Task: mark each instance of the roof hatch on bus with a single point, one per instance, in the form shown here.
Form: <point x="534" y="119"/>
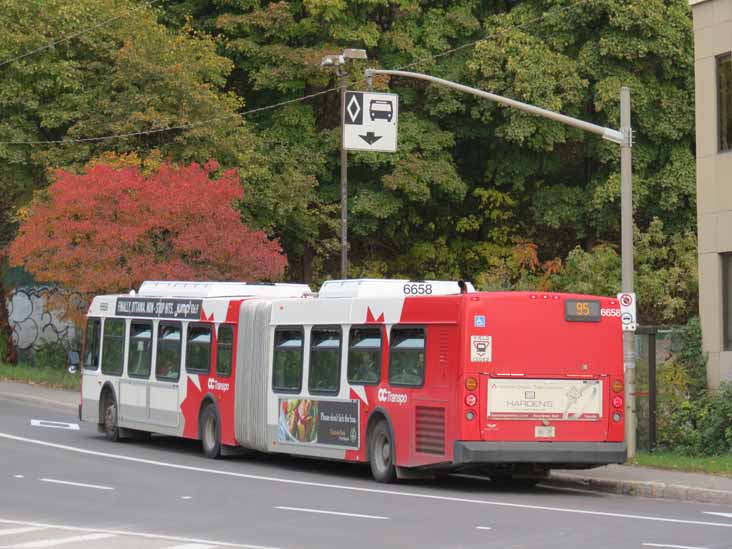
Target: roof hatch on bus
<point x="153" y="288"/>
<point x="371" y="287"/>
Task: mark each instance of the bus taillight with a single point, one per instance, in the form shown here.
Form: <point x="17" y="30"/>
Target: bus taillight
<point x="471" y="384"/>
<point x="618" y="401"/>
<point x="471" y="400"/>
<point x="617" y="386"/>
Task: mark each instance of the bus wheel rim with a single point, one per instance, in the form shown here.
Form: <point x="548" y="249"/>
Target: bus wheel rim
<point x="210" y="432"/>
<point x="109" y="417"/>
<point x="383" y="452"/>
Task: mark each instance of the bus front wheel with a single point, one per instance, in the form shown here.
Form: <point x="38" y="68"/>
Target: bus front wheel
<point x="111" y="429"/>
<point x="210" y="433"/>
<point x="381" y="453"/>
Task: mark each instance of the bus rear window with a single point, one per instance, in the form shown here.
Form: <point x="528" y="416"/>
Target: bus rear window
<point x="406" y="356"/>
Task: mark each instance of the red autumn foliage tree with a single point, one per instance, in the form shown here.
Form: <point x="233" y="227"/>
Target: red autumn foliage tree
<point x="111" y="228"/>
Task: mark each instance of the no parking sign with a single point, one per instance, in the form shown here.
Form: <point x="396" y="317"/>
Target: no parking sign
<point x="627" y="311"/>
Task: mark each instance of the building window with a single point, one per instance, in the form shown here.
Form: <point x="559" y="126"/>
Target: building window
<point x="724" y="101"/>
<point x="727" y="300"/>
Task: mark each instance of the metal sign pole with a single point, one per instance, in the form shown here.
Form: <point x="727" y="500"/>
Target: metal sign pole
<point x="626" y="249"/>
<point x="344" y="180"/>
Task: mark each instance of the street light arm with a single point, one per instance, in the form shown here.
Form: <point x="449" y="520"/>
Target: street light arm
<point x="606" y="133"/>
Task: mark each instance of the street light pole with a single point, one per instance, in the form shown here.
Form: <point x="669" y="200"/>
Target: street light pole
<point x="344" y="177"/>
<point x="339" y="61"/>
<point x="626" y="253"/>
<point x="624" y="138"/>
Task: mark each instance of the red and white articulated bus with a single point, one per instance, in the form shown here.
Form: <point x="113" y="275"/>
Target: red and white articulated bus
<point x="414" y="378"/>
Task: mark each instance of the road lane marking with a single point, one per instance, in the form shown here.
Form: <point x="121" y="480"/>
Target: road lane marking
<point x="54" y="424"/>
<point x="340" y="514"/>
<point x="80" y="484"/>
<point x="726" y="515"/>
<point x="344" y="487"/>
<point x="192" y="546"/>
<point x="23" y="530"/>
<point x="483" y="528"/>
<point x="18" y="476"/>
<point x="134" y="534"/>
<point x="62" y="541"/>
<point x="671" y="546"/>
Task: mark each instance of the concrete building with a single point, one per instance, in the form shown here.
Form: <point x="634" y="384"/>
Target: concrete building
<point x="713" y="72"/>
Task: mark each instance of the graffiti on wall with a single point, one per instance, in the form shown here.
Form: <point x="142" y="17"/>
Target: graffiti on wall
<point x="34" y="322"/>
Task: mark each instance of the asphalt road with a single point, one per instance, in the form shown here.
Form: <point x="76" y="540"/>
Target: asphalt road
<point x="72" y="488"/>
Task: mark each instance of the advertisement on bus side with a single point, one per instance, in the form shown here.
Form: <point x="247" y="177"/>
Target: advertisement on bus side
<point x="326" y="422"/>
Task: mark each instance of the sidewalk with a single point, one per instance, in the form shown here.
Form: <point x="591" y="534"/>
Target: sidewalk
<point x="648" y="482"/>
<point x="39" y="394"/>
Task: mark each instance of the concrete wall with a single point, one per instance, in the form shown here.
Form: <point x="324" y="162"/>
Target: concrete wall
<point x="712" y="37"/>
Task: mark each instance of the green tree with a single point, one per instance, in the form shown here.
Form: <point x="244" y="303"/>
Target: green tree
<point x="125" y="76"/>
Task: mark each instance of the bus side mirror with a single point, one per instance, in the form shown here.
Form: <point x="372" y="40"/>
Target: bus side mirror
<point x="73" y="361"/>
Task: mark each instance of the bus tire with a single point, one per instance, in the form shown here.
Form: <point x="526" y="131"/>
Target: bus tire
<point x="111" y="428"/>
<point x="381" y="453"/>
<point x="210" y="432"/>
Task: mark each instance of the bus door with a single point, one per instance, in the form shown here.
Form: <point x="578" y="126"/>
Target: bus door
<point x="90" y="385"/>
<point x="164" y="390"/>
<point x="133" y="389"/>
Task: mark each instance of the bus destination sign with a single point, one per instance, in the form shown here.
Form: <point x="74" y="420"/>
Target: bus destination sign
<point x="582" y="310"/>
<point x="159" y="307"/>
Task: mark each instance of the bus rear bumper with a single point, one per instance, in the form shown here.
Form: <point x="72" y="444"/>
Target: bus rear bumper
<point x="551" y="453"/>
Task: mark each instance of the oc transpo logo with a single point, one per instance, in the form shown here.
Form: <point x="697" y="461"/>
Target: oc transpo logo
<point x="216" y="385"/>
<point x="385" y="395"/>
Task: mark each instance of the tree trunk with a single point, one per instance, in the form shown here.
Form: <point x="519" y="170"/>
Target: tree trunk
<point x="6" y="330"/>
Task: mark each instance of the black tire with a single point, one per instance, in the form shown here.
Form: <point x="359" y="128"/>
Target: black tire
<point x="381" y="453"/>
<point x="210" y="428"/>
<point x="109" y="419"/>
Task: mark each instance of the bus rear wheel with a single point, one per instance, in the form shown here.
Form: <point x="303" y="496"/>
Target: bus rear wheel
<point x="111" y="429"/>
<point x="210" y="432"/>
<point x="381" y="453"/>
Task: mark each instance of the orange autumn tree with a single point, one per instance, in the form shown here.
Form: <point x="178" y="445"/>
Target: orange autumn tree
<point x="110" y="228"/>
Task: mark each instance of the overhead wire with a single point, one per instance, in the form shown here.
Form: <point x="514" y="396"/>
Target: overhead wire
<point x="192" y="125"/>
<point x="68" y="37"/>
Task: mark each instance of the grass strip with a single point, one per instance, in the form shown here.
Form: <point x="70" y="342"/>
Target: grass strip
<point x="715" y="465"/>
<point x="50" y="377"/>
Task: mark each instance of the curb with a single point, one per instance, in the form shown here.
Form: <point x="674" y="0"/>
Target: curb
<point x="646" y="489"/>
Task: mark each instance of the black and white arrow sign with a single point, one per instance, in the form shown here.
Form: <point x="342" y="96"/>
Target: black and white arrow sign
<point x="370" y="121"/>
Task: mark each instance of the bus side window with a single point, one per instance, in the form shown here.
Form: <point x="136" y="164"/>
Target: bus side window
<point x="406" y="356"/>
<point x="91" y="344"/>
<point x="198" y="349"/>
<point x="113" y="350"/>
<point x="325" y="360"/>
<point x="140" y="355"/>
<point x="287" y="360"/>
<point x="364" y="356"/>
<point x="224" y="350"/>
<point x="167" y="358"/>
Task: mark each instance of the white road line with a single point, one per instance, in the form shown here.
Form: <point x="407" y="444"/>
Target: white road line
<point x="321" y="512"/>
<point x="726" y="515"/>
<point x="62" y="541"/>
<point x="80" y="484"/>
<point x="134" y="534"/>
<point x="483" y="528"/>
<point x="192" y="546"/>
<point x="671" y="546"/>
<point x="18" y="476"/>
<point x="13" y="531"/>
<point x="54" y="424"/>
<point x="432" y="497"/>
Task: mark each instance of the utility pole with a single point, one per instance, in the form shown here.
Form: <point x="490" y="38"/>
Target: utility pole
<point x="339" y="61"/>
<point x="626" y="253"/>
<point x="624" y="138"/>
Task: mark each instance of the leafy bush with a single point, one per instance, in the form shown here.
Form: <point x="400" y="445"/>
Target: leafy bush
<point x="50" y="354"/>
<point x="691" y="419"/>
